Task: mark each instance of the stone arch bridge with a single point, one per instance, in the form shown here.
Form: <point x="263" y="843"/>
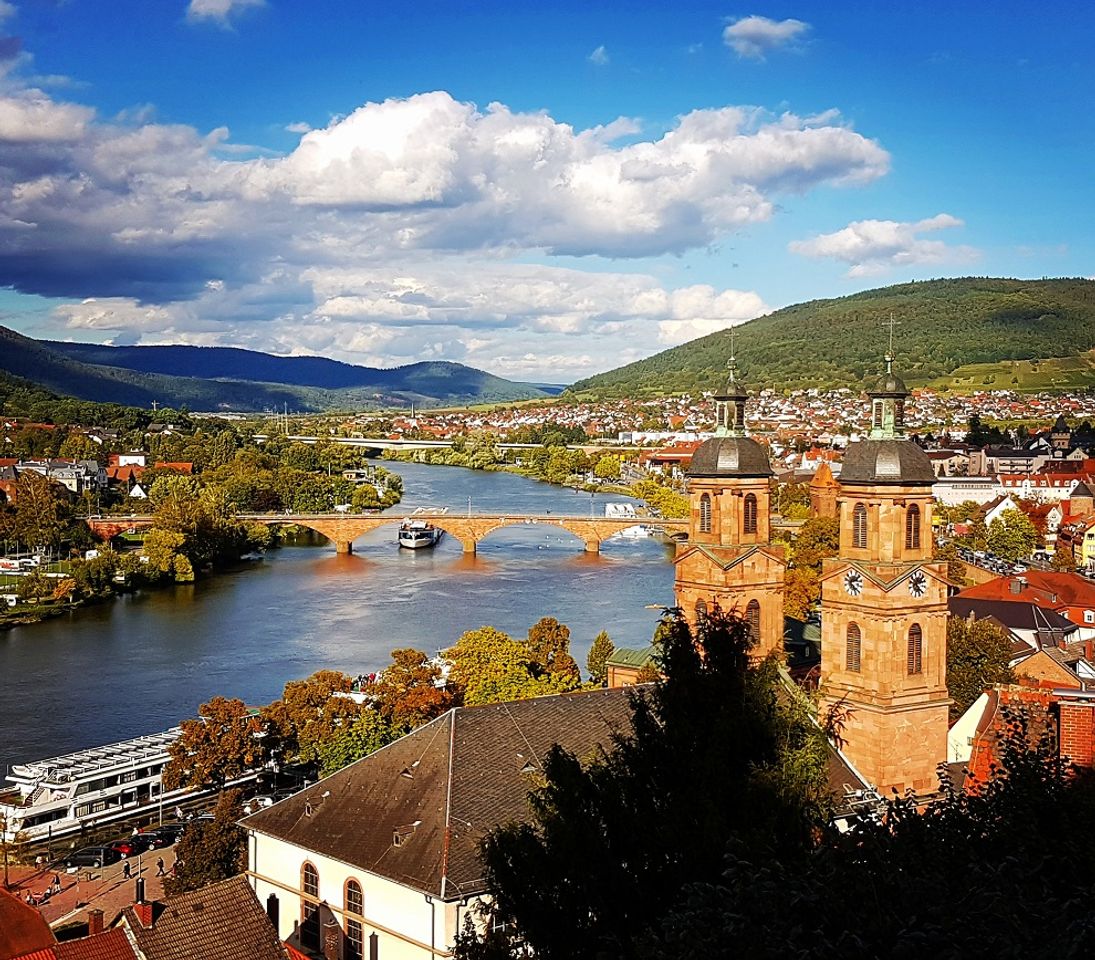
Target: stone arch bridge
<point x="343" y="528"/>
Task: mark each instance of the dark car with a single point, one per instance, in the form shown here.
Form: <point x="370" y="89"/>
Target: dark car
<point x="92" y="857"/>
<point x="164" y="835"/>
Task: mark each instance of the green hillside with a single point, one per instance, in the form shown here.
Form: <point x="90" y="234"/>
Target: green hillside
<point x="944" y="325"/>
<point x="128" y="380"/>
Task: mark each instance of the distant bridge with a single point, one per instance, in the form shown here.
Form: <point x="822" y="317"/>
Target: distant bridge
<point x="401" y="443"/>
<point x="343" y="528"/>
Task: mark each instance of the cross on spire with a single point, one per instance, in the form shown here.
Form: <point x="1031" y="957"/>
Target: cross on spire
<point x="891" y="323"/>
<point x="732" y="363"/>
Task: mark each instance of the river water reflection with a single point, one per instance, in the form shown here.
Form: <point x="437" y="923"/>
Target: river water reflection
<point x="140" y="664"/>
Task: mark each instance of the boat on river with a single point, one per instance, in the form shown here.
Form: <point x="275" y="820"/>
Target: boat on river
<point x="416" y="534"/>
<point x="77" y="792"/>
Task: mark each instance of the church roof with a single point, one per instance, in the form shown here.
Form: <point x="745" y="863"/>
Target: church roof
<point x="1082" y="489"/>
<point x="889" y="384"/>
<point x="885" y="461"/>
<point x="1060" y="425"/>
<point x="823" y="477"/>
<point x="416" y="810"/>
<point x="730" y="457"/>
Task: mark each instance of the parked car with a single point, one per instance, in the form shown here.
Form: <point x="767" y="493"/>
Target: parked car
<point x="163" y="835"/>
<point x="129" y="846"/>
<point x="255" y="804"/>
<point x="92" y="857"/>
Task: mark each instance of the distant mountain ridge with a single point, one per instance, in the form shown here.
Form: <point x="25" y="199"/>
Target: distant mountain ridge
<point x="227" y="378"/>
<point x="944" y="325"/>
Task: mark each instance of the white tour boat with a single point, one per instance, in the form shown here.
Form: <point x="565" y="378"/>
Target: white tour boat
<point x="416" y="534"/>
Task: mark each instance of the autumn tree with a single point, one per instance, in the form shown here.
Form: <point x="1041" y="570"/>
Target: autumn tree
<point x="367" y="733"/>
<point x="41" y="511"/>
<point x="599" y="653"/>
<point x="817" y="539"/>
<point x="549" y="647"/>
<point x="1063" y="559"/>
<point x="978" y="656"/>
<point x="309" y="713"/>
<point x="210" y="850"/>
<point x="410" y="691"/>
<point x="225" y="741"/>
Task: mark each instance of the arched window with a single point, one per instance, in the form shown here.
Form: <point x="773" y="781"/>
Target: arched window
<point x="859" y="527"/>
<point x="853" y="648"/>
<point x="752" y="617"/>
<point x="916" y="650"/>
<point x="701" y="609"/>
<point x="705" y="514"/>
<point x="876" y="418"/>
<point x="912" y="528"/>
<point x="309" y="908"/>
<point x="750" y="514"/>
<point x="355" y="907"/>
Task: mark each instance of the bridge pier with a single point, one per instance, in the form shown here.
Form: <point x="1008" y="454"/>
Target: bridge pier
<point x="344" y="546"/>
<point x="469" y="546"/>
<point x="593" y="546"/>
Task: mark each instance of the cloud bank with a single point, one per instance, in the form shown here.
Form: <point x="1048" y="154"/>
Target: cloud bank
<point x="399" y="231"/>
<point x="219" y="11"/>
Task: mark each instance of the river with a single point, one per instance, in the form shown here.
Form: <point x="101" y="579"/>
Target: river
<point x="141" y="663"/>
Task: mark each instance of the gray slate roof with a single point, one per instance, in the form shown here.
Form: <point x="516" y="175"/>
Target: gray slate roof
<point x="730" y="457"/>
<point x="885" y="461"/>
<point x="441" y="789"/>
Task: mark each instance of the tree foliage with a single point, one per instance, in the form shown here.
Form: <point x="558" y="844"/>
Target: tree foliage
<point x="978" y="654"/>
<point x="1012" y="536"/>
<point x="212" y="850"/>
<point x="410" y="691"/>
<point x="489" y="666"/>
<point x="223" y="742"/>
<point x="599" y="653"/>
<point x="612" y="841"/>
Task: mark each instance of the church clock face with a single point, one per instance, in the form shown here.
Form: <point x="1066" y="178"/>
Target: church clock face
<point x="853" y="583"/>
<point x="918" y="584"/>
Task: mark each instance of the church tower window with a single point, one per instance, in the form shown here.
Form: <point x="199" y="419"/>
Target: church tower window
<point x="752" y="617"/>
<point x="701" y="609"/>
<point x="750" y="514"/>
<point x="912" y="528"/>
<point x="916" y="650"/>
<point x="859" y="527"/>
<point x="705" y="514"/>
<point x="853" y="648"/>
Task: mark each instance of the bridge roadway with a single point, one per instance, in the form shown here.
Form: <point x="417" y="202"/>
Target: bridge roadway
<point x="343" y="528"/>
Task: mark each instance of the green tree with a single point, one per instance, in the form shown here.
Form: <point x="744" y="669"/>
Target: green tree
<point x="1063" y="559"/>
<point x="210" y="851"/>
<point x="599" y="653"/>
<point x="978" y="654"/>
<point x="222" y="743"/>
<point x="367" y="733"/>
<point x="41" y="513"/>
<point x="613" y="843"/>
<point x="489" y="666"/>
<point x="607" y="467"/>
<point x="1012" y="536"/>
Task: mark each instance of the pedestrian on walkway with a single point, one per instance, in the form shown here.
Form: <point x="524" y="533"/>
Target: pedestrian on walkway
<point x="126" y="871"/>
<point x="159" y="867"/>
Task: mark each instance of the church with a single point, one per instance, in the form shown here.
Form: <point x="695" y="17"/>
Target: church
<point x="884" y="600"/>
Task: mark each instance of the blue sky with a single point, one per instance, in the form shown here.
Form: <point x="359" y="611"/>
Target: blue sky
<point x="542" y="190"/>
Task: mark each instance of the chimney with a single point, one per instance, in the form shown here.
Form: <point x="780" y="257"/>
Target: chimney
<point x="1017" y="584"/>
<point x="141" y="908"/>
<point x="332" y="939"/>
<point x="94" y="922"/>
<point x="273" y="910"/>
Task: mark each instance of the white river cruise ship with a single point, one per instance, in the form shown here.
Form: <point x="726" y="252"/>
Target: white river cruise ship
<point x="63" y="795"/>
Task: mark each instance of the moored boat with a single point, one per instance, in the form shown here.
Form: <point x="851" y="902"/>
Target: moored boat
<point x="416" y="534"/>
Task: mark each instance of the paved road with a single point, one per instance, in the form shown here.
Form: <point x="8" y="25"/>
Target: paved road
<point x="107" y="889"/>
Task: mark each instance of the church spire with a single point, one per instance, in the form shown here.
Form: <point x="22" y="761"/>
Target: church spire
<point x="730" y="402"/>
<point x="888" y="398"/>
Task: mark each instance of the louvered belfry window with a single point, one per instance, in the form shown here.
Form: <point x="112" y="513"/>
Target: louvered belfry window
<point x="752" y="617"/>
<point x="859" y="527"/>
<point x="916" y="650"/>
<point x="705" y="514"/>
<point x="912" y="528"/>
<point x="750" y="513"/>
<point x="853" y="648"/>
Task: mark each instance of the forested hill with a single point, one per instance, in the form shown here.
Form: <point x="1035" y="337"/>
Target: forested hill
<point x="213" y="378"/>
<point x="943" y="325"/>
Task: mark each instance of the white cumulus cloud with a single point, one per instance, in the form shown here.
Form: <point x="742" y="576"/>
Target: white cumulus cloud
<point x="753" y="37"/>
<point x="599" y="57"/>
<point x="220" y="11"/>
<point x="874" y="246"/>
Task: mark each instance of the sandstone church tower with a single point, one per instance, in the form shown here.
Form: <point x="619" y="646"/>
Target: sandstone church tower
<point x="729" y="557"/>
<point x="884" y="606"/>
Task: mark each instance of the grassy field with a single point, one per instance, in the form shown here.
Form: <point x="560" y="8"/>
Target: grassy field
<point x="1053" y="373"/>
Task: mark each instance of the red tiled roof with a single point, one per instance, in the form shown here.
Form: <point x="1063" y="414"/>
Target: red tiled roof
<point x="1047" y="589"/>
<point x="112" y="945"/>
<point x="23" y="930"/>
<point x="177" y="467"/>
